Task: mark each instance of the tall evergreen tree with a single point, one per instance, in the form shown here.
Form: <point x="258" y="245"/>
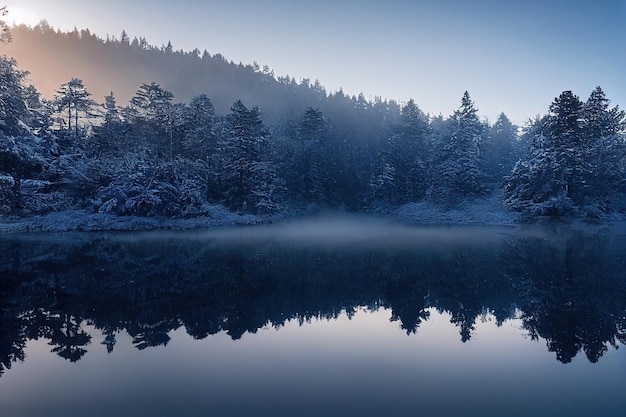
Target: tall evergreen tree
<point x="199" y="120"/>
<point x="606" y="150"/>
<point x="499" y="148"/>
<point x="248" y="176"/>
<point x="574" y="161"/>
<point x="72" y="103"/>
<point x="13" y="108"/>
<point x="5" y="33"/>
<point x="151" y="115"/>
<point x="459" y="171"/>
<point x="108" y="137"/>
<point x="403" y="172"/>
<point x="310" y="174"/>
<point x="565" y="146"/>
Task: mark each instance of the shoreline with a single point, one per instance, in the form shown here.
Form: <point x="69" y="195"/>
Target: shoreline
<point x="422" y="213"/>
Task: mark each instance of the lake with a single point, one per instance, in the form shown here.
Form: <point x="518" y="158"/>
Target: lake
<point x="325" y="317"/>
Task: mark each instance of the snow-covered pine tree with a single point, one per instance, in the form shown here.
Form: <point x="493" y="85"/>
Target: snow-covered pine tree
<point x="72" y="103"/>
<point x="530" y="188"/>
<point x="108" y="137"/>
<point x="308" y="159"/>
<point x="565" y="147"/>
<point x="459" y="171"/>
<point x="199" y="119"/>
<point x="247" y="175"/>
<point x="573" y="161"/>
<point x="499" y="148"/>
<point x="150" y="115"/>
<point x="13" y="108"/>
<point x="406" y="154"/>
<point x="604" y="143"/>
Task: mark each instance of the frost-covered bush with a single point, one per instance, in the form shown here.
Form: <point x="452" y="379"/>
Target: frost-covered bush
<point x="37" y="199"/>
<point x="80" y="177"/>
<point x="162" y="190"/>
<point x="6" y="193"/>
<point x="21" y="159"/>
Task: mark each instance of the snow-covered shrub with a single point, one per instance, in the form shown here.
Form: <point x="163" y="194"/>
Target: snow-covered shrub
<point x="6" y="193"/>
<point x="163" y="190"/>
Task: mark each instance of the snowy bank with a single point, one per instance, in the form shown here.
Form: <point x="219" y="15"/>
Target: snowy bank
<point x="80" y="220"/>
<point x="487" y="211"/>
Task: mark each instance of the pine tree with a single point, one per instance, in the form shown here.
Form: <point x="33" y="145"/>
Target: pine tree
<point x="459" y="172"/>
<point x="108" y="137"/>
<point x="309" y="172"/>
<point x="248" y="177"/>
<point x="5" y="33"/>
<point x="199" y="118"/>
<point x="530" y="188"/>
<point x="151" y="117"/>
<point x="499" y="148"/>
<point x="574" y="161"/>
<point x="13" y="108"/>
<point x="404" y="159"/>
<point x="565" y="146"/>
<point x="72" y="103"/>
<point x="605" y="150"/>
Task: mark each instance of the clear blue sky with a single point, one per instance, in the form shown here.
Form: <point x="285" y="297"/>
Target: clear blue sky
<point x="512" y="56"/>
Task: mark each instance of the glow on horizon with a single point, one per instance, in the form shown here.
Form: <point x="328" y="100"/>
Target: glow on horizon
<point x="511" y="57"/>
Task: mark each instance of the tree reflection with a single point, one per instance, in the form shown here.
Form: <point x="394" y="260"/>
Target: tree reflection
<point x="567" y="286"/>
<point x="67" y="337"/>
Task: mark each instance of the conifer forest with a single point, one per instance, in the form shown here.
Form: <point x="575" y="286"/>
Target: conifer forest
<point x="239" y="137"/>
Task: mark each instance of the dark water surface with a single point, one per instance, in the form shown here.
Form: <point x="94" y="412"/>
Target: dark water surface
<point x="337" y="317"/>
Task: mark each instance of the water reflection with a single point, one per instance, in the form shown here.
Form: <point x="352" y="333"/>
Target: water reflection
<point x="567" y="285"/>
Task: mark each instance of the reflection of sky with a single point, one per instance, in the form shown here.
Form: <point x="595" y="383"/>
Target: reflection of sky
<point x="512" y="56"/>
<point x="363" y="366"/>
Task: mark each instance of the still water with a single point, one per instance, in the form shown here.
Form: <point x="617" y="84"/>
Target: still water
<point x="337" y="317"/>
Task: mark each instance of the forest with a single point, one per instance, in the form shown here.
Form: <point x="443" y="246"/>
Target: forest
<point x="242" y="138"/>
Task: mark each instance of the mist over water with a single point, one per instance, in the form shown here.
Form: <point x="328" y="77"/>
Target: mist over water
<point x="349" y="231"/>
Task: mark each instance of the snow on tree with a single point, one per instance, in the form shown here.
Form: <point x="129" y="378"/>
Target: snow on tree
<point x="574" y="161"/>
<point x="402" y="175"/>
<point x="199" y="118"/>
<point x="151" y="117"/>
<point x="499" y="148"/>
<point x="5" y="33"/>
<point x="21" y="158"/>
<point x="72" y="103"/>
<point x="606" y="150"/>
<point x="247" y="175"/>
<point x="459" y="171"/>
<point x="143" y="187"/>
<point x="108" y="137"/>
<point x="305" y="168"/>
<point x="530" y="188"/>
<point x="13" y="108"/>
<point x="408" y="152"/>
<point x="383" y="185"/>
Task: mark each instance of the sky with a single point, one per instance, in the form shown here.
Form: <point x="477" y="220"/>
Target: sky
<point x="511" y="56"/>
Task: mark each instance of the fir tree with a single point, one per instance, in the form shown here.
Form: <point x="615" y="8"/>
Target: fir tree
<point x="308" y="160"/>
<point x="499" y="148"/>
<point x="72" y="103"/>
<point x="14" y="110"/>
<point x="459" y="172"/>
<point x="605" y="148"/>
<point x="248" y="177"/>
<point x="574" y="161"/>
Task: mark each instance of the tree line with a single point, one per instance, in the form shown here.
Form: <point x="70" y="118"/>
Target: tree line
<point x="158" y="157"/>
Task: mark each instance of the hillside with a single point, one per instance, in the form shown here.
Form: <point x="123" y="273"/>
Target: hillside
<point x="122" y="65"/>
